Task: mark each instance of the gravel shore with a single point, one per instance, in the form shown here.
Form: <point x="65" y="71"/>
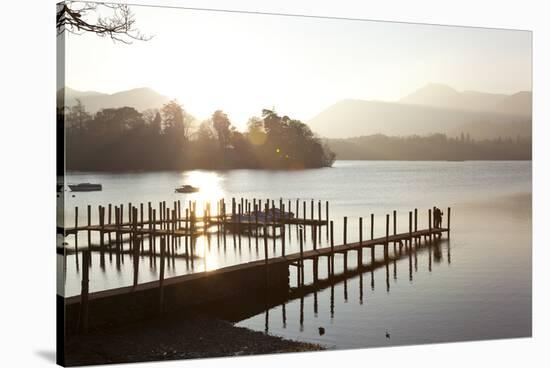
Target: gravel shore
<point x="188" y="337"/>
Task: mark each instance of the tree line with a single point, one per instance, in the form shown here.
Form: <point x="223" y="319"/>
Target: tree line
<point x="431" y="147"/>
<point x="120" y="139"/>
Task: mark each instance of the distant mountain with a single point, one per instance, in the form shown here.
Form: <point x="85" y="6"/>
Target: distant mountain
<point x="520" y="102"/>
<point x="139" y="98"/>
<point x="440" y="95"/>
<point x="352" y="118"/>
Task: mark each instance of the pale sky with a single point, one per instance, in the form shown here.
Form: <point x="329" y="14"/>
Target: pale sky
<point x="242" y="63"/>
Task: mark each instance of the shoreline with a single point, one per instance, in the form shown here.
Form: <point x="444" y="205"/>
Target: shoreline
<point x="175" y="337"/>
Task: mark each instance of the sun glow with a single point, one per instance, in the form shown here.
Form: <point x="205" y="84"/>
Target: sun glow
<point x="210" y="189"/>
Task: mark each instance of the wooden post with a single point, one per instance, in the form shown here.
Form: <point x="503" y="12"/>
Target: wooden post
<point x="266" y="255"/>
<point x="101" y="210"/>
<point x="154" y="230"/>
<point x="149" y="227"/>
<point x="239" y="220"/>
<point x="283" y="229"/>
<point x="360" y="249"/>
<point x="289" y="206"/>
<point x="101" y="236"/>
<point x="387" y="236"/>
<point x="314" y="231"/>
<point x="141" y="225"/>
<point x="161" y="275"/>
<point x="448" y="221"/>
<point x="416" y="219"/>
<point x="89" y="213"/>
<point x="312" y="210"/>
<point x="117" y="232"/>
<point x="297" y="208"/>
<point x="331" y="248"/>
<point x="84" y="291"/>
<point x="135" y="245"/>
<point x="301" y="268"/>
<point x="179" y="213"/>
<point x="430" y="224"/>
<point x="345" y="230"/>
<point x="410" y="228"/>
<point x="371" y="226"/>
<point x="394" y="222"/>
<point x="109" y="218"/>
<point x="394" y="229"/>
<point x="76" y="235"/>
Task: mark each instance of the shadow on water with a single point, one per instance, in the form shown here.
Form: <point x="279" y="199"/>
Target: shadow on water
<point x="243" y="307"/>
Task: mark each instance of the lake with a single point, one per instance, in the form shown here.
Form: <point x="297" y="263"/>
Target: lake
<point x="476" y="285"/>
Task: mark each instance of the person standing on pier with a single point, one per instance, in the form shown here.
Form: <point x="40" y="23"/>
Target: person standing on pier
<point x="437" y="218"/>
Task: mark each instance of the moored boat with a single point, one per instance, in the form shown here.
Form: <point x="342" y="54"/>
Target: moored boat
<point x="85" y="187"/>
<point x="186" y="189"/>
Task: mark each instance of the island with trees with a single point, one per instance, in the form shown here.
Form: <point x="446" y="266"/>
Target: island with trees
<point x="123" y="139"/>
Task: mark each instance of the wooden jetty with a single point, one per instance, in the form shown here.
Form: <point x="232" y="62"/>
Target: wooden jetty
<point x="270" y="274"/>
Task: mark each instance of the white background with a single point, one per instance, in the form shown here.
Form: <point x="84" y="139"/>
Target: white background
<point x="27" y="144"/>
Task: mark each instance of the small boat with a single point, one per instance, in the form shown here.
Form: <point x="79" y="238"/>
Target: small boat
<point x="187" y="189"/>
<point x="85" y="187"/>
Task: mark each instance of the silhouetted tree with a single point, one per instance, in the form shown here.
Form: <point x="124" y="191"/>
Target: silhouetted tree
<point x="222" y="125"/>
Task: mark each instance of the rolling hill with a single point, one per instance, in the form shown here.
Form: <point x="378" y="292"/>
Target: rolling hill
<point x="139" y="98"/>
<point x="432" y="109"/>
<point x="440" y="95"/>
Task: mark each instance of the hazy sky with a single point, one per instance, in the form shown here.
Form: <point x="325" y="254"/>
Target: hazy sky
<point x="242" y="63"/>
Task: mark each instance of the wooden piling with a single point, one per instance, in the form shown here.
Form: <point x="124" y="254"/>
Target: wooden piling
<point x="283" y="229"/>
<point x="360" y="249"/>
<point x="387" y="237"/>
<point x="301" y="268"/>
<point x="161" y="275"/>
<point x="331" y="272"/>
<point x="76" y="236"/>
<point x="410" y="229"/>
<point x="430" y="224"/>
<point x="394" y="222"/>
<point x="266" y="256"/>
<point x="89" y="213"/>
<point x="314" y="231"/>
<point x="448" y="221"/>
<point x="345" y="230"/>
<point x="135" y="245"/>
<point x="372" y="226"/>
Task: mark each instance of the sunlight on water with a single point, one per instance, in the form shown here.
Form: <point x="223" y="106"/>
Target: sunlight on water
<point x="210" y="185"/>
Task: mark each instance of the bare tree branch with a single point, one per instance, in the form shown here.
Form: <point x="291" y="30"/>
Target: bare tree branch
<point x="78" y="18"/>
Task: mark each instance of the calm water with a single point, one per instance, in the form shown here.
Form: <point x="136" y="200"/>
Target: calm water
<point x="475" y="286"/>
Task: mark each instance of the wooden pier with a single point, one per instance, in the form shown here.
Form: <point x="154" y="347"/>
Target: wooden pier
<point x="269" y="274"/>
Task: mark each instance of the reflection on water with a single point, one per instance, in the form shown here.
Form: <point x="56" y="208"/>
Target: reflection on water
<point x="347" y="285"/>
<point x="479" y="289"/>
